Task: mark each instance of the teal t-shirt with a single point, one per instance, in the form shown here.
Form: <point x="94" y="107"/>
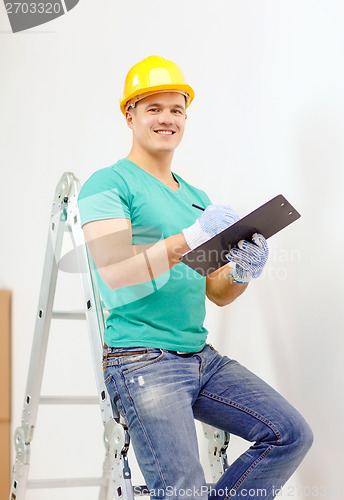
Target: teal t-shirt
<point x="167" y="312"/>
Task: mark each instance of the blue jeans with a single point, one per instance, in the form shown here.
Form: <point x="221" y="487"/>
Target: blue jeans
<point x="159" y="393"/>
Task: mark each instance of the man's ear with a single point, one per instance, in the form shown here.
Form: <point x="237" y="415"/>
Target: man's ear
<point x="129" y="118"/>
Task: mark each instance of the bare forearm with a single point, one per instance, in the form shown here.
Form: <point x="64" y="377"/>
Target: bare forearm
<point x="148" y="263"/>
<point x="221" y="289"/>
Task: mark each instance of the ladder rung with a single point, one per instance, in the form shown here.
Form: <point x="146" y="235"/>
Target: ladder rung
<point x="66" y="483"/>
<point x="68" y="315"/>
<point x="73" y="314"/>
<point x="68" y="400"/>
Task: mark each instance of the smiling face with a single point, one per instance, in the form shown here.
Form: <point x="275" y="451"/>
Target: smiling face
<point x="158" y="122"/>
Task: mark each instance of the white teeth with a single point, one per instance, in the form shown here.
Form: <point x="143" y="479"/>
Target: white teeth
<point x="164" y="132"/>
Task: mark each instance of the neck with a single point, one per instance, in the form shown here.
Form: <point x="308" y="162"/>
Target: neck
<point x="158" y="165"/>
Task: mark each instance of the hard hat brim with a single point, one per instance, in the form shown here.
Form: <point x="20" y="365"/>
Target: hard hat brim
<point x="182" y="88"/>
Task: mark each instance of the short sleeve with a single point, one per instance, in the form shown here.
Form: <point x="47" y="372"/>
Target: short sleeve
<point x="105" y="195"/>
<point x="205" y="198"/>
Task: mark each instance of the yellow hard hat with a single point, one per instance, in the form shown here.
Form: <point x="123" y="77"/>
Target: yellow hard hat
<point x="152" y="75"/>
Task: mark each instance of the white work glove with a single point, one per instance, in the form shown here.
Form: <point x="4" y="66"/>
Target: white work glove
<point x="213" y="220"/>
<point x="249" y="259"/>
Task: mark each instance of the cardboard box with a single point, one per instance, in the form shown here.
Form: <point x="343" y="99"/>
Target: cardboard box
<point x="5" y="466"/>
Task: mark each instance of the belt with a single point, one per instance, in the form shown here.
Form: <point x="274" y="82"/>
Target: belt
<point x="178" y="353"/>
<point x="182" y="354"/>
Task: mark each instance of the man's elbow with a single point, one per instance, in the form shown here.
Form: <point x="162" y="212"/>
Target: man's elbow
<point x="222" y="303"/>
<point x="217" y="300"/>
<point x="111" y="279"/>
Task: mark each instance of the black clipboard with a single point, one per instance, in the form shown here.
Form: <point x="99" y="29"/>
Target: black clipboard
<point x="267" y="220"/>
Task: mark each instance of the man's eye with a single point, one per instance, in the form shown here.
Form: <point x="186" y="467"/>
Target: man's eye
<point x="153" y="109"/>
<point x="176" y="111"/>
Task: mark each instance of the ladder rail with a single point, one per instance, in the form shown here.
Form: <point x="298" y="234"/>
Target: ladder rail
<point x="115" y="436"/>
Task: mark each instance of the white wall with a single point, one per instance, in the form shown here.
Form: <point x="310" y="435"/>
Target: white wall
<point x="267" y="119"/>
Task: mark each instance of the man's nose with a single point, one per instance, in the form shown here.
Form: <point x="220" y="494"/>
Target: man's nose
<point x="166" y="117"/>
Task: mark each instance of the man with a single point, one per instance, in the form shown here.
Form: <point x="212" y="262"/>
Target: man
<point x="160" y="373"/>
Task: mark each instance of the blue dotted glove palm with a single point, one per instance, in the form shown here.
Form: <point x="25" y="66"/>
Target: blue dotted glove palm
<point x="249" y="259"/>
<point x="213" y="220"/>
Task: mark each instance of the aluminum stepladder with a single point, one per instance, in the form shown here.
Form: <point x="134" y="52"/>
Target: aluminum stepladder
<point x="115" y="482"/>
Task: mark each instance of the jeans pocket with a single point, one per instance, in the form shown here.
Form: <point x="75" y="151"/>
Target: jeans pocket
<point x="112" y="354"/>
<point x="130" y="362"/>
